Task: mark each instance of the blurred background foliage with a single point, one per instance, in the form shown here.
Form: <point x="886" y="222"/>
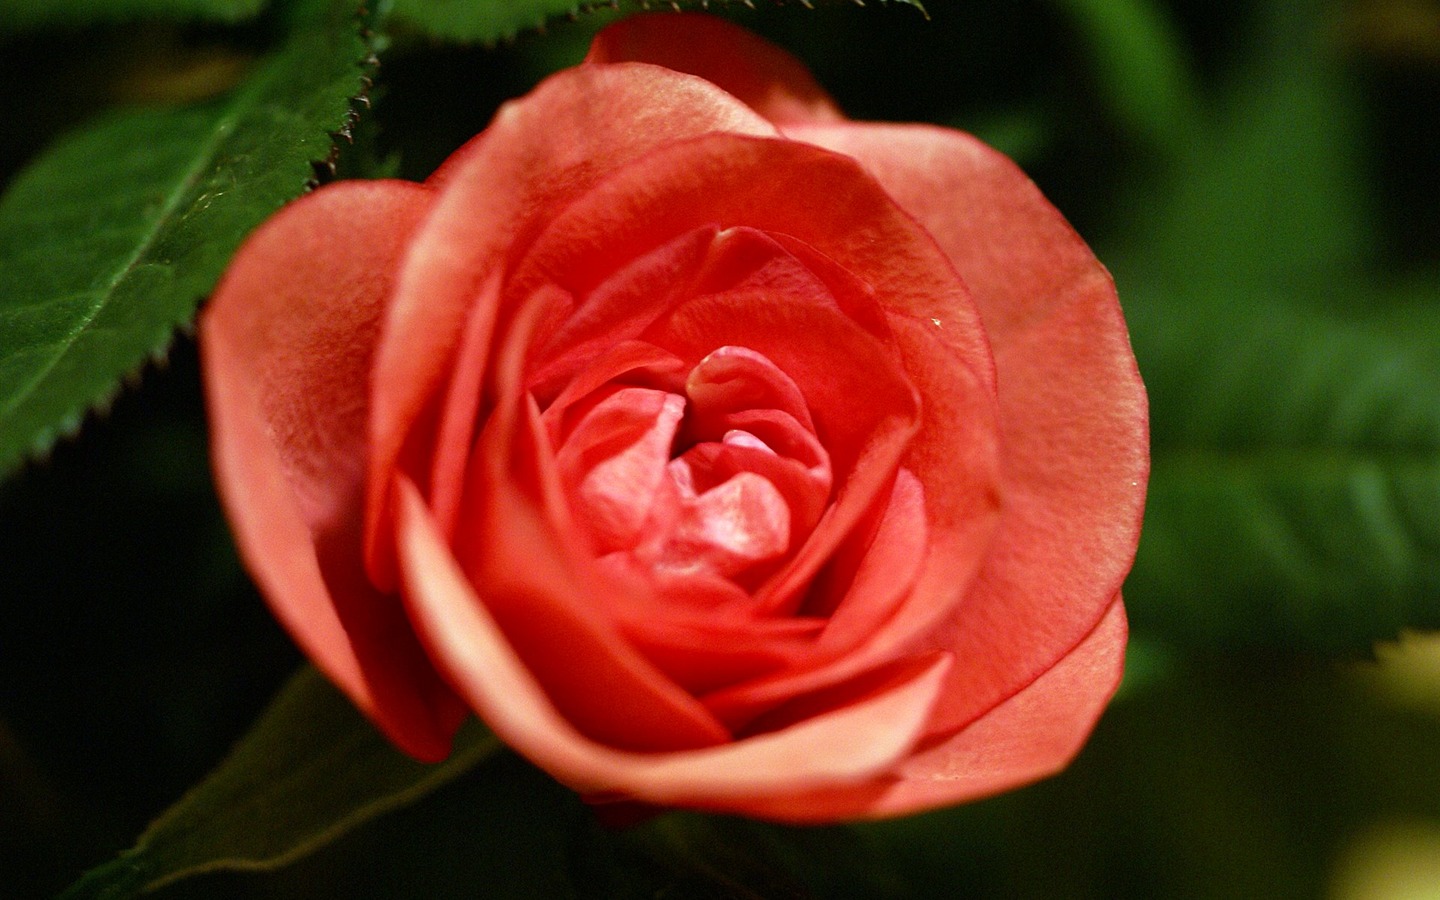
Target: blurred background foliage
<point x="1263" y="178"/>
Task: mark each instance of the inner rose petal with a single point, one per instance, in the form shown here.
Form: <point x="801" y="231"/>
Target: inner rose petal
<point x="728" y="528"/>
<point x="720" y="474"/>
<point x="614" y="461"/>
<point x="737" y="378"/>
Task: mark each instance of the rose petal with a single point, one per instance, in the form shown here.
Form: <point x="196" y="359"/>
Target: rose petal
<point x="547" y="593"/>
<point x="806" y="489"/>
<point x="495" y="192"/>
<point x="818" y="199"/>
<point x="737" y="379"/>
<point x="1072" y="407"/>
<point x="614" y="314"/>
<point x="764" y="77"/>
<point x="709" y="648"/>
<point x="616" y="304"/>
<point x="286" y="346"/>
<point x="727" y="529"/>
<point x="878" y="617"/>
<point x="1029" y="736"/>
<point x="851" y="403"/>
<point x="612" y="463"/>
<point x="843" y="747"/>
<point x="460" y="409"/>
<point x="629" y="362"/>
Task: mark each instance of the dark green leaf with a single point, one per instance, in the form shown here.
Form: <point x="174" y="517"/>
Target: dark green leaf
<point x="1270" y="191"/>
<point x="110" y="239"/>
<point x="1295" y="405"/>
<point x="311" y="769"/>
<point x="483" y="21"/>
<point x="1139" y="66"/>
<point x="487" y="21"/>
<point x="17" y="15"/>
<point x="1295" y="495"/>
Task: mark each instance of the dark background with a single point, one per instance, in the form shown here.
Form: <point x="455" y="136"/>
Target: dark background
<point x="134" y="652"/>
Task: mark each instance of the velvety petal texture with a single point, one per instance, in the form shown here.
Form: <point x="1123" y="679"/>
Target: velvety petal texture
<point x="717" y="451"/>
<point x="287" y="344"/>
<point x="759" y="74"/>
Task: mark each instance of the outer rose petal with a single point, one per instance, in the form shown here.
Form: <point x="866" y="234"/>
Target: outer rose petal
<point x="849" y="746"/>
<point x="1073" y="421"/>
<point x="764" y="77"/>
<point x="286" y="345"/>
<point x="1031" y="735"/>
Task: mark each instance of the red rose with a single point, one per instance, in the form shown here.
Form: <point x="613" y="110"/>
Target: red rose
<point x="719" y="452"/>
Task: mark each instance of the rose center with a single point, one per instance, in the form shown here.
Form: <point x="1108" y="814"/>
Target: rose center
<point x="718" y="474"/>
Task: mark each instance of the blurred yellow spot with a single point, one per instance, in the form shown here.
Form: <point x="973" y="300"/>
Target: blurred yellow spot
<point x="1407" y="671"/>
<point x="1393" y="860"/>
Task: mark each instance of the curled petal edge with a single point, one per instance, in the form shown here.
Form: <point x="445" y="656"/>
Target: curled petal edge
<point x="284" y="348"/>
<point x="848" y="746"/>
<point x="1030" y="735"/>
<point x="758" y="73"/>
<point x="1072" y="411"/>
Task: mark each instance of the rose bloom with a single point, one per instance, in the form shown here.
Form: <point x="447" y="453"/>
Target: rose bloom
<point x="719" y="452"/>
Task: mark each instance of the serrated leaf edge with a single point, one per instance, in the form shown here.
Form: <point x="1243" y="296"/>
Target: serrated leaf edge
<point x="589" y="8"/>
<point x="70" y="424"/>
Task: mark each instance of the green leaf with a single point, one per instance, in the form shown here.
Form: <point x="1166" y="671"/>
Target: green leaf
<point x="480" y="21"/>
<point x="1270" y="191"/>
<point x="1295" y="494"/>
<point x="1139" y="64"/>
<point x="110" y="240"/>
<point x="17" y="15"/>
<point x="1295" y="398"/>
<point x="488" y="21"/>
<point x="311" y="769"/>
